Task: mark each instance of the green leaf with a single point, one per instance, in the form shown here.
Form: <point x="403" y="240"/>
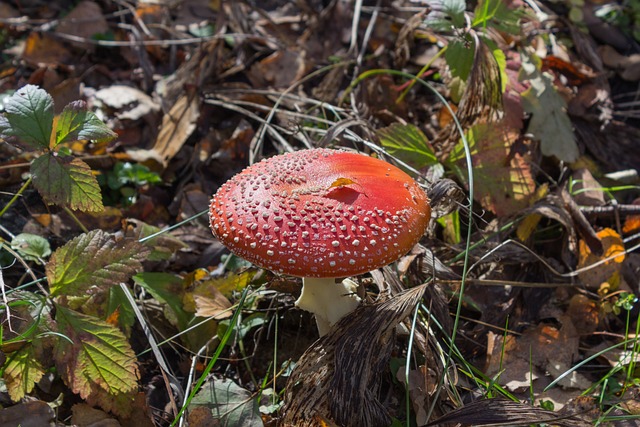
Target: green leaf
<point x="29" y="117"/>
<point x="408" y="143"/>
<point x="550" y="123"/>
<point x="501" y="59"/>
<point x="66" y="181"/>
<point x="100" y="365"/>
<point x="497" y="14"/>
<point x="21" y="372"/>
<point x="75" y="123"/>
<point x="459" y="56"/>
<point x="166" y="288"/>
<point x="31" y="246"/>
<point x="93" y="262"/>
<point x="449" y="16"/>
<point x="230" y="405"/>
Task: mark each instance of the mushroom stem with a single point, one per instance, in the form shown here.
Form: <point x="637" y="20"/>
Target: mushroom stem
<point x="327" y="300"/>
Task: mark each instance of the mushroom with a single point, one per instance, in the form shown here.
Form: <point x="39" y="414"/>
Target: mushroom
<point x="321" y="214"/>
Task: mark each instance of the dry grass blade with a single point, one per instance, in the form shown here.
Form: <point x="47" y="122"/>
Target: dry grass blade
<point x="505" y="413"/>
<point x="338" y="377"/>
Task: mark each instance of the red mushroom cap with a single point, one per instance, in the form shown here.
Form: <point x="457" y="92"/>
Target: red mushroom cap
<point x="320" y="213"/>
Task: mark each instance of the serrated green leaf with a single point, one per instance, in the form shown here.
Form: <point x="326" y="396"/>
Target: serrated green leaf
<point x="230" y="404"/>
<point x="92" y="262"/>
<point x="31" y="246"/>
<point x="66" y="181"/>
<point x="408" y="143"/>
<point x="21" y="372"/>
<point x="100" y="365"/>
<point x="76" y="123"/>
<point x="29" y="117"/>
<point x="550" y="123"/>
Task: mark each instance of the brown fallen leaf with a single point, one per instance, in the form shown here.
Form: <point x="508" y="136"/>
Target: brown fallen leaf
<point x="280" y="69"/>
<point x="84" y="21"/>
<point x="86" y="416"/>
<point x="29" y="414"/>
<point x="423" y="382"/>
<point x="177" y="126"/>
<point x="43" y="49"/>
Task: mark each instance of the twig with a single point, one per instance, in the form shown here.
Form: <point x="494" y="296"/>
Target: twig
<point x="610" y="210"/>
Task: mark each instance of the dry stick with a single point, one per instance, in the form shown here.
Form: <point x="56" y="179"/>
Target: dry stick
<point x="490" y="282"/>
<point x="190" y="40"/>
<point x="610" y="210"/>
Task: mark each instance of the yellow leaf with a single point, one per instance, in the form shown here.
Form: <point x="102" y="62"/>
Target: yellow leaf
<point x="612" y="245"/>
<point x="527" y="226"/>
<point x="341" y="182"/>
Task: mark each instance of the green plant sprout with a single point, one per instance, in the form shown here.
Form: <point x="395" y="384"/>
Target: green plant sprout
<point x="122" y="183"/>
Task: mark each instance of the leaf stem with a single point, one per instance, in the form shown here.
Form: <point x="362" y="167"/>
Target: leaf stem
<point x="421" y="73"/>
<point x="75" y="219"/>
<point x="15" y="197"/>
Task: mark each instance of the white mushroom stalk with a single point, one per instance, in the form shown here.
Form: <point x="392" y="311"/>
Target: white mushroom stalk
<point x="327" y="300"/>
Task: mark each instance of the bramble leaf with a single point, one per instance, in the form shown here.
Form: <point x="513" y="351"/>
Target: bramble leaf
<point x="22" y="372"/>
<point x="459" y="56"/>
<point x="93" y="262"/>
<point x="100" y="365"/>
<point x="66" y="181"/>
<point x="408" y="143"/>
<point x="75" y="123"/>
<point x="29" y="117"/>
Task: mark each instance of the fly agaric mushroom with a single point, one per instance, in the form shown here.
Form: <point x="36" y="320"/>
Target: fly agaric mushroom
<point x="321" y="214"/>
